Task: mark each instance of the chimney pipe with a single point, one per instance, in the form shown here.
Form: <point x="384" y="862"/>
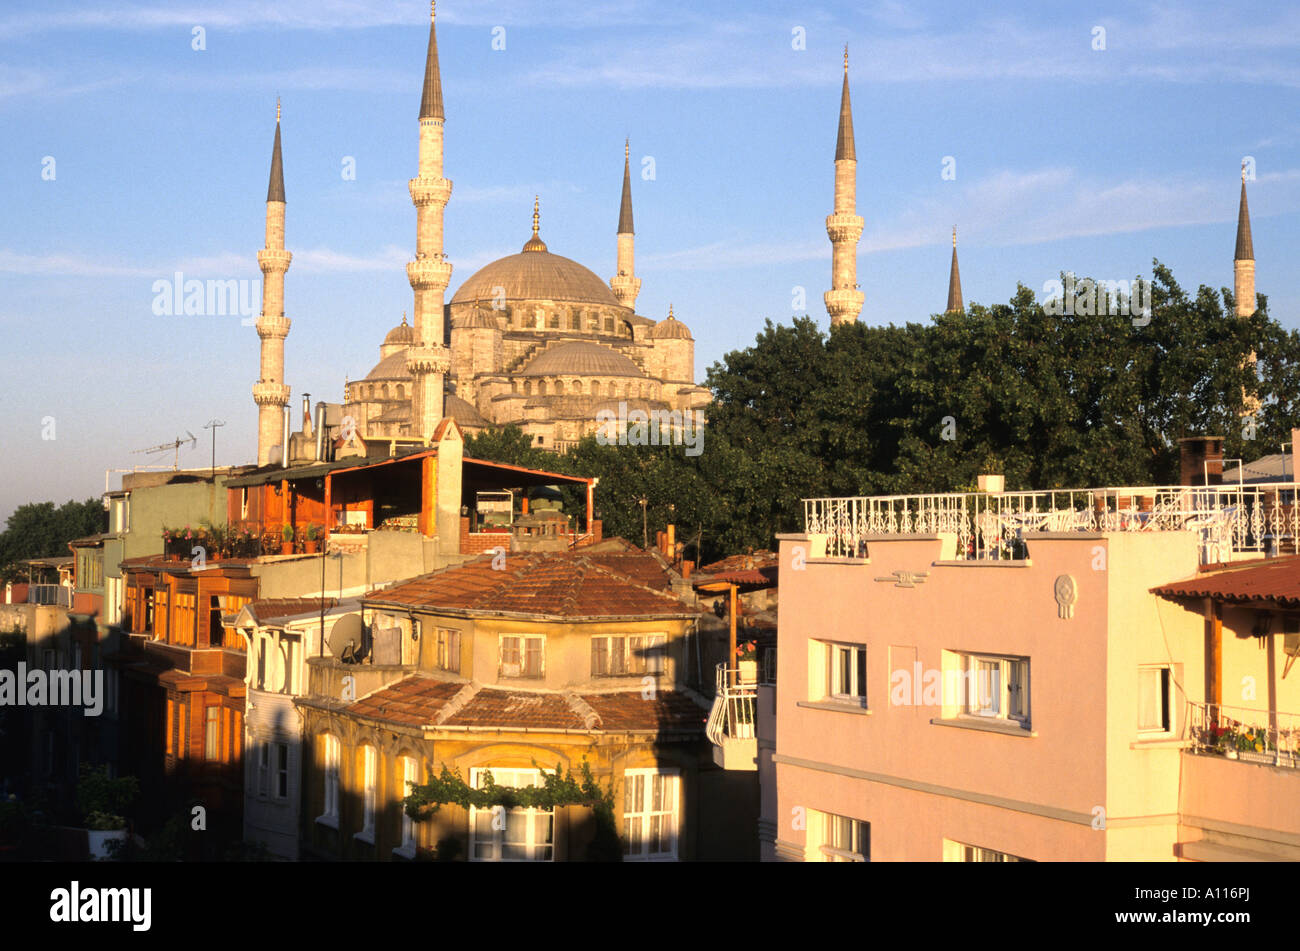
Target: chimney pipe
<point x="306" y="412"/>
<point x="320" y="431"/>
<point x="284" y="445"/>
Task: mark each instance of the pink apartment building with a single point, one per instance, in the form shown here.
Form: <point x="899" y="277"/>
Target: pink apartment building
<point x="1097" y="675"/>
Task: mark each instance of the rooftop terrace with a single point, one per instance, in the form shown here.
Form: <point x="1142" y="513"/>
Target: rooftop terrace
<point x="1232" y="522"/>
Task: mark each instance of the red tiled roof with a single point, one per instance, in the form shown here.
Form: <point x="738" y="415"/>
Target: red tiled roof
<point x="420" y="700"/>
<point x="757" y="568"/>
<point x="273" y="609"/>
<point x="555" y="584"/>
<point x="1274" y="579"/>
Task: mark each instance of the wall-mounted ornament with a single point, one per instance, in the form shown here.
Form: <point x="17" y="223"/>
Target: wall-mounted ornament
<point x="1067" y="595"/>
<point x="906" y="579"/>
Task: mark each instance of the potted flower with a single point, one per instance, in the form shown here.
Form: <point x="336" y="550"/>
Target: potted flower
<point x="312" y="542"/>
<point x="102" y="801"/>
<point x="747" y="661"/>
<point x="286" y="539"/>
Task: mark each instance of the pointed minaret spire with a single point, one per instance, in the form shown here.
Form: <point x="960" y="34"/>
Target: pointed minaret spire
<point x="955" y="305"/>
<point x="625" y="284"/>
<point x="269" y="393"/>
<point x="535" y="243"/>
<point x="275" y="191"/>
<point x="844" y="143"/>
<point x="429" y="359"/>
<point x="843" y="226"/>
<point x="431" y="103"/>
<point x="1243" y="261"/>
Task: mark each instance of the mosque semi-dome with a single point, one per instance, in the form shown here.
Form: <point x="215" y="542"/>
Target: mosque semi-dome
<point x="581" y="358"/>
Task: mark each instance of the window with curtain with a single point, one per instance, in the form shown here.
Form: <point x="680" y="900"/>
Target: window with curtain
<point x="212" y="733"/>
<point x="961" y="852"/>
<point x="369" y="771"/>
<point x="994" y="687"/>
<point x="650" y="810"/>
<point x="331" y="776"/>
<point x="845" y="839"/>
<point x="510" y="835"/>
<point x="521" y="656"/>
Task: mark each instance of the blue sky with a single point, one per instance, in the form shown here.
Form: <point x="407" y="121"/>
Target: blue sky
<point x="1067" y="158"/>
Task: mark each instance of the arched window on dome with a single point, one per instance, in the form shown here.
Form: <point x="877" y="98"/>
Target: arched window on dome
<point x="528" y="387"/>
<point x="541" y="387"/>
<point x="577" y="387"/>
<point x="401" y="392"/>
<point x="555" y="321"/>
<point x="383" y="391"/>
<point x="609" y="325"/>
<point x="575" y="320"/>
<point x="627" y="391"/>
<point x="559" y="387"/>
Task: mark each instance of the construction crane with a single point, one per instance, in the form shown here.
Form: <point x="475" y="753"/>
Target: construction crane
<point x="173" y="446"/>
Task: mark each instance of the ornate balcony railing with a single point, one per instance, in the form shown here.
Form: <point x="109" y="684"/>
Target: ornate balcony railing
<point x="1231" y="521"/>
<point x="1254" y="736"/>
<point x="732" y="726"/>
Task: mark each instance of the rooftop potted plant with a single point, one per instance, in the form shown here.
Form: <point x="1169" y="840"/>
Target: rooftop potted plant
<point x="312" y="541"/>
<point x="102" y="801"/>
<point x="747" y="661"/>
<point x="286" y="539"/>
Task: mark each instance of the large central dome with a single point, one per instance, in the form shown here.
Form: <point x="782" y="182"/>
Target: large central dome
<point x="536" y="275"/>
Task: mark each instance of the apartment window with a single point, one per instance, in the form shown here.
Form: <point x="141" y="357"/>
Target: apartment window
<point x="212" y="733"/>
<point x="369" y="766"/>
<point x="522" y="656"/>
<point x="331" y="803"/>
<point x="961" y="852"/>
<point x="510" y="835"/>
<point x="449" y="650"/>
<point x="263" y="768"/>
<point x="619" y="655"/>
<point x="281" y="771"/>
<point x="994" y="687"/>
<point x="1155" y="700"/>
<point x="409" y="778"/>
<point x="845" y="839"/>
<point x="845" y="677"/>
<point x="650" y="802"/>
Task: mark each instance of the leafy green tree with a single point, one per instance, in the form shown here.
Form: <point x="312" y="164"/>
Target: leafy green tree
<point x="40" y="530"/>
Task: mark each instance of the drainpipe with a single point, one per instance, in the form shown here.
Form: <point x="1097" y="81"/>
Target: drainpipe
<point x="320" y="432"/>
<point x="284" y="449"/>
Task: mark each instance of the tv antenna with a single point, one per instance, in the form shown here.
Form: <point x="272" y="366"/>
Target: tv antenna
<point x="173" y="446"/>
<point x="214" y="425"/>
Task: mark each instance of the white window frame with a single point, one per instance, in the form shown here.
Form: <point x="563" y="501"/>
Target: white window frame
<point x="330" y="815"/>
<point x="263" y="770"/>
<point x="369" y="784"/>
<point x="844" y="839"/>
<point x="493" y="847"/>
<point x="410" y="775"/>
<point x="833" y="662"/>
<point x="1001" y="683"/>
<point x="639" y="816"/>
<point x="1166" y="689"/>
<point x="281" y="772"/>
<point x="523" y="655"/>
<point x="963" y="852"/>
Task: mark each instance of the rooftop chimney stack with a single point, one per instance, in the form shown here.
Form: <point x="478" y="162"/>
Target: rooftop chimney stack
<point x="1200" y="460"/>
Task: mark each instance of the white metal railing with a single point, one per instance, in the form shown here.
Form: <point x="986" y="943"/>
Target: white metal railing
<point x="1230" y="520"/>
<point x="1260" y="736"/>
<point x="51" y="594"/>
<point x="733" y="714"/>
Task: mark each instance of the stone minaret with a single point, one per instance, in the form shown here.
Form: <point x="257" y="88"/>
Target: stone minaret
<point x="269" y="393"/>
<point x="844" y="300"/>
<point x="1243" y="261"/>
<point x="626" y="285"/>
<point x="429" y="360"/>
<point x="955" y="305"/>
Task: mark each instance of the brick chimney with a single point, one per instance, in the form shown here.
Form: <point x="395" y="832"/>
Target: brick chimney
<point x="1201" y="460"/>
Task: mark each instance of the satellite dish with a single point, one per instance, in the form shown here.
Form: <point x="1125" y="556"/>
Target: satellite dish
<point x="345" y="637"/>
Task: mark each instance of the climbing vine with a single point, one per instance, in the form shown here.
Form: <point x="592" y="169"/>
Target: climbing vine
<point x="559" y="788"/>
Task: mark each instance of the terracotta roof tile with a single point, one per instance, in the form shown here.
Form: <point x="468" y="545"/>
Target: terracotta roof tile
<point x="559" y="584"/>
<point x="273" y="609"/>
<point x="419" y="700"/>
<point x="1275" y="579"/>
